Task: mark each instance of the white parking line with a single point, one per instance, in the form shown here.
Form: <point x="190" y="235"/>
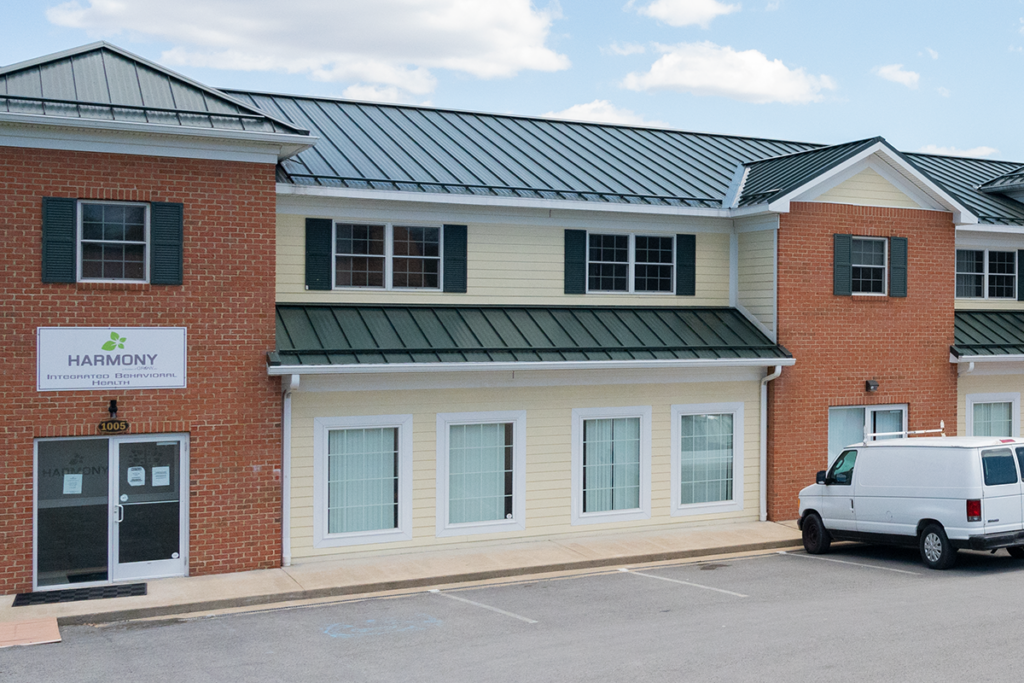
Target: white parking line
<point x="855" y="564"/>
<point x="685" y="583"/>
<point x="480" y="604"/>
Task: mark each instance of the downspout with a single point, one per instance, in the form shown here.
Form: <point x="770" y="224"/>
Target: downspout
<point x="764" y="441"/>
<point x="292" y="382"/>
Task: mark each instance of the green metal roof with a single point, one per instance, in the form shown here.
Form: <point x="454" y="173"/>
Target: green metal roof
<point x="105" y="83"/>
<point x="1014" y="180"/>
<point x="988" y="333"/>
<point x="310" y="335"/>
<point x="962" y="177"/>
<point x="772" y="178"/>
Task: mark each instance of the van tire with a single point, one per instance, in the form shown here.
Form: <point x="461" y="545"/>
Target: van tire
<point x="1016" y="552"/>
<point x="936" y="550"/>
<point x="816" y="538"/>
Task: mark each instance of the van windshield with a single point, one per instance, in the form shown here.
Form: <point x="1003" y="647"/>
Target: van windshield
<point x="998" y="466"/>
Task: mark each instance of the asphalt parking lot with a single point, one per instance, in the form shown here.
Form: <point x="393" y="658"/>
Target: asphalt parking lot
<point x="858" y="613"/>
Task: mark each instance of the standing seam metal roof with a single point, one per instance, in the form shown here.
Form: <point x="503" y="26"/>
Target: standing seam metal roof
<point x="355" y="335"/>
<point x="988" y="333"/>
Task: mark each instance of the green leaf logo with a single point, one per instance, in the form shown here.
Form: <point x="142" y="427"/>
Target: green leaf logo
<point x="116" y="342"/>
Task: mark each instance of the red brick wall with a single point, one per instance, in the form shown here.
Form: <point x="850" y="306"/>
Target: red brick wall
<point x="231" y="409"/>
<point x="841" y="341"/>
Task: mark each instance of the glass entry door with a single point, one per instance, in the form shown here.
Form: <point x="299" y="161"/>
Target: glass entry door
<point x="110" y="509"/>
<point x="147" y="513"/>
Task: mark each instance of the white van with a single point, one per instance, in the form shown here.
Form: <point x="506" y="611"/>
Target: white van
<point x="938" y="493"/>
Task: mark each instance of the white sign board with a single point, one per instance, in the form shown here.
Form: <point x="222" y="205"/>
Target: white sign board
<point x="105" y="358"/>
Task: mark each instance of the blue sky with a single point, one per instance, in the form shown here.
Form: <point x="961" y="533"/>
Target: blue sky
<point x="939" y="75"/>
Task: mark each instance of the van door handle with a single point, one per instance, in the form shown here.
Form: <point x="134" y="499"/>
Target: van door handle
<point x="851" y="503"/>
<point x="120" y="513"/>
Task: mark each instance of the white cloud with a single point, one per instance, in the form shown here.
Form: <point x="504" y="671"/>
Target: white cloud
<point x="932" y="53"/>
<point x="955" y="152"/>
<point x="943" y="91"/>
<point x="897" y="74"/>
<point x="749" y="76"/>
<point x="687" y="12"/>
<point x="390" y="43"/>
<point x="376" y="93"/>
<point x="602" y="111"/>
<point x="624" y="49"/>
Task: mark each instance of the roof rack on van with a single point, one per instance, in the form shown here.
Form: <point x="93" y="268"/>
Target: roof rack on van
<point x="941" y="431"/>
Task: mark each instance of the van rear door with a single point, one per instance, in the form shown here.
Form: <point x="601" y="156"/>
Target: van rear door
<point x="1001" y="509"/>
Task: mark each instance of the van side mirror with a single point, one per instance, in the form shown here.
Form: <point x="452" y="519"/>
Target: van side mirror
<point x="820" y="477"/>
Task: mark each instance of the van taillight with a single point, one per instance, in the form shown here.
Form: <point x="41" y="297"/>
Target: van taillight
<point x="974" y="511"/>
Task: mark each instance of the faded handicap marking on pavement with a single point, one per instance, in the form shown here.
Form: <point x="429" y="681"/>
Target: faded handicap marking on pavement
<point x="379" y="627"/>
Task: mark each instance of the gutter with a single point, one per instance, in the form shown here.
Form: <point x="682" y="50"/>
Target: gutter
<point x="764" y="441"/>
<point x="291" y="384"/>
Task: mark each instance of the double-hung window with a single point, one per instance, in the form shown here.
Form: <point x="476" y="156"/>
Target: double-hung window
<point x="362" y="480"/>
<point x="707" y="458"/>
<point x="113" y="241"/>
<point x="630" y="263"/>
<point x="868" y="265"/>
<point x="611" y="464"/>
<point x="986" y="274"/>
<point x="387" y="256"/>
<point x="481" y="472"/>
<point x="993" y="414"/>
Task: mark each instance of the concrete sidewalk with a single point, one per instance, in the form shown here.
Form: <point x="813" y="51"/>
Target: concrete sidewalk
<point x="411" y="569"/>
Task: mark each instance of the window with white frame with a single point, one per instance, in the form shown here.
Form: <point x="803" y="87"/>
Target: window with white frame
<point x="630" y="263"/>
<point x="986" y="274"/>
<point x="611" y="464"/>
<point x="993" y="414"/>
<point x="113" y="241"/>
<point x="481" y="472"/>
<point x="387" y="256"/>
<point x="707" y="458"/>
<point x="868" y="265"/>
<point x="362" y="480"/>
<point x="849" y="424"/>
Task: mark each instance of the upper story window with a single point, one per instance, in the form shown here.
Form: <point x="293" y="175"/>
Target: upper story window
<point x="630" y="263"/>
<point x="387" y="256"/>
<point x="868" y="264"/>
<point x="113" y="241"/>
<point x="986" y="274"/>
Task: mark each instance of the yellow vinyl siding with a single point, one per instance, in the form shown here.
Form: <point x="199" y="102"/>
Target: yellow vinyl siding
<point x="988" y="305"/>
<point x="757" y="275"/>
<point x="548" y="452"/>
<point x="867" y="188"/>
<point x="507" y="264"/>
<point x="1005" y="383"/>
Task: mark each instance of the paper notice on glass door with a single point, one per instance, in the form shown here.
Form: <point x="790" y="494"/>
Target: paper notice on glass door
<point x="72" y="483"/>
<point x="136" y="476"/>
<point x="161" y="476"/>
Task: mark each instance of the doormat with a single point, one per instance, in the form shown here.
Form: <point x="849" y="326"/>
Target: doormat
<point x="74" y="594"/>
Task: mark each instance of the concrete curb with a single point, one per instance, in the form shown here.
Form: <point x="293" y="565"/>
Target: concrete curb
<point x="398" y="584"/>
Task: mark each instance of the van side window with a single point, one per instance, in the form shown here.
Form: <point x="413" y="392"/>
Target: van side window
<point x="1020" y="458"/>
<point x="998" y="467"/>
<point x="842" y="469"/>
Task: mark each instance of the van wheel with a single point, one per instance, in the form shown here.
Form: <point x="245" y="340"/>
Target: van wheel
<point x="1016" y="552"/>
<point x="936" y="551"/>
<point x="816" y="537"/>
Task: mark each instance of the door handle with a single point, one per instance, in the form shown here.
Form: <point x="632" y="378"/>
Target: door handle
<point x="120" y="513"/>
<point x="851" y="504"/>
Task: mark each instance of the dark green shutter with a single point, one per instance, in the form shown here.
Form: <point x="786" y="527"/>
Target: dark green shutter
<point x="575" y="261"/>
<point x="167" y="236"/>
<point x="58" y="239"/>
<point x="1020" y="276"/>
<point x="842" y="273"/>
<point x="898" y="266"/>
<point x="454" y="258"/>
<point x="686" y="265"/>
<point x="318" y="253"/>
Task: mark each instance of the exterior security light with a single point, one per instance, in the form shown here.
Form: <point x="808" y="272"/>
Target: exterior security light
<point x="871" y="385"/>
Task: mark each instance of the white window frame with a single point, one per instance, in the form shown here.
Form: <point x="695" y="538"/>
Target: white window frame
<point x="885" y="265"/>
<point x="518" y="521"/>
<point x="985" y="274"/>
<point x="579" y="517"/>
<point x="389" y="255"/>
<point x="1009" y="397"/>
<point x="736" y="410"/>
<point x="868" y="409"/>
<point x="403" y="531"/>
<point x="79" y="238"/>
<point x="631" y="267"/>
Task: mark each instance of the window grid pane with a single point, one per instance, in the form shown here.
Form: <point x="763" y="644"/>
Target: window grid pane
<point x="417" y="257"/>
<point x="706" y="459"/>
<point x="608" y="268"/>
<point x="359" y="251"/>
<point x="611" y="464"/>
<point x="970" y="273"/>
<point x="993" y="419"/>
<point x="362" y="480"/>
<point x="868" y="261"/>
<point x="113" y="242"/>
<point x="653" y="271"/>
<point x="479" y="472"/>
<point x="1001" y="275"/>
